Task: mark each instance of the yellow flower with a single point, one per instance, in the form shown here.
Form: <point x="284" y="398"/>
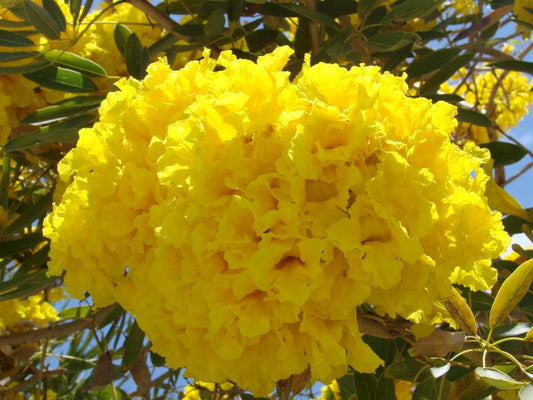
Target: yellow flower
<point x="17" y="313"/>
<point x="242" y="217"/>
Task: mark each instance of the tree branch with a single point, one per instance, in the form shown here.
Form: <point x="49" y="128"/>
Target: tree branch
<point x="153" y="12"/>
<point x="58" y="331"/>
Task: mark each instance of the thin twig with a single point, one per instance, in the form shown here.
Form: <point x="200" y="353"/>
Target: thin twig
<point x="518" y="174"/>
<point x="58" y="331"/>
<point x="153" y="12"/>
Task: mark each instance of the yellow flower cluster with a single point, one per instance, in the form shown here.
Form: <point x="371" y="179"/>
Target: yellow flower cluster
<point x="243" y="217"/>
<point x="509" y="94"/>
<point x="16" y="313"/>
<point x="207" y="391"/>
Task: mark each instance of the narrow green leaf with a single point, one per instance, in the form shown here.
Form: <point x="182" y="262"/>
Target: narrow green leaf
<point x="5" y="23"/>
<point x="42" y="20"/>
<point x="121" y="33"/>
<point x="13" y="39"/>
<point x="62" y="79"/>
<point x="365" y="386"/>
<point x="132" y="346"/>
<point x="26" y="68"/>
<point x="116" y="313"/>
<point x="65" y="108"/>
<point x="397" y="57"/>
<point x="66" y="131"/>
<point x="504" y="153"/>
<point x="473" y="117"/>
<point x="337" y="8"/>
<point x="137" y="57"/>
<point x="37" y="284"/>
<point x="33" y="213"/>
<point x="215" y="24"/>
<point x="365" y="6"/>
<point x="526" y="393"/>
<point x="324" y="52"/>
<point x="431" y="62"/>
<point x="426" y="390"/>
<point x="390" y="41"/>
<point x="4" y="182"/>
<point x="86" y="8"/>
<point x="156" y="359"/>
<point x="75" y="62"/>
<point x="407" y="370"/>
<point x="75" y="7"/>
<point x="497" y="379"/>
<point x="75" y="312"/>
<point x="385" y="389"/>
<point x="165" y="43"/>
<point x="445" y="73"/>
<point x="410" y="9"/>
<point x="260" y="38"/>
<point x="17" y="55"/>
<point x="235" y="9"/>
<point x="347" y="387"/>
<point x="11" y="247"/>
<point x="56" y="13"/>
<point x="450" y="98"/>
<point x="293" y="10"/>
<point x="514" y="65"/>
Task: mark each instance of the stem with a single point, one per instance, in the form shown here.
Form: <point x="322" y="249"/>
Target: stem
<point x="153" y="12"/>
<point x="313" y="29"/>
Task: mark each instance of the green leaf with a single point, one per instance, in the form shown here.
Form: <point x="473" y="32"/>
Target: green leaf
<point x="56" y="13"/>
<point x="75" y="312"/>
<point x="62" y="79"/>
<point x="324" y="54"/>
<point x="526" y="393"/>
<point x="65" y="108"/>
<point x="165" y="43"/>
<point x="190" y="29"/>
<point x="473" y="117"/>
<point x="513" y="224"/>
<point x="390" y="41"/>
<point x="407" y="370"/>
<point x="337" y="8"/>
<point x="13" y="39"/>
<point x="235" y="9"/>
<point x="4" y="182"/>
<point x="260" y="38"/>
<point x="75" y="62"/>
<point x="504" y="153"/>
<point x="12" y="247"/>
<point x="365" y="386"/>
<point x="385" y="389"/>
<point x="397" y="57"/>
<point x="75" y="7"/>
<point x="132" y="346"/>
<point x="121" y="33"/>
<point x="410" y="9"/>
<point x="116" y="313"/>
<point x="86" y="8"/>
<point x="445" y="73"/>
<point x="5" y="23"/>
<point x="347" y="387"/>
<point x="431" y="62"/>
<point x="16" y="55"/>
<point x="33" y="213"/>
<point x="426" y="390"/>
<point x="42" y="20"/>
<point x="439" y="370"/>
<point x="65" y="131"/>
<point x="514" y="65"/>
<point x="26" y="68"/>
<point x="215" y="24"/>
<point x="449" y="98"/>
<point x="156" y="359"/>
<point x="497" y="379"/>
<point x="293" y="10"/>
<point x="137" y="57"/>
<point x="365" y="6"/>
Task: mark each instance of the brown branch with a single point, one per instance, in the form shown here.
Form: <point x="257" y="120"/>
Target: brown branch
<point x="58" y="331"/>
<point x="157" y="15"/>
<point x="29" y="382"/>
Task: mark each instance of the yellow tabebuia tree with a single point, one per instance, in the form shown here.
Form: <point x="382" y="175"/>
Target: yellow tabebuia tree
<point x="246" y="198"/>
